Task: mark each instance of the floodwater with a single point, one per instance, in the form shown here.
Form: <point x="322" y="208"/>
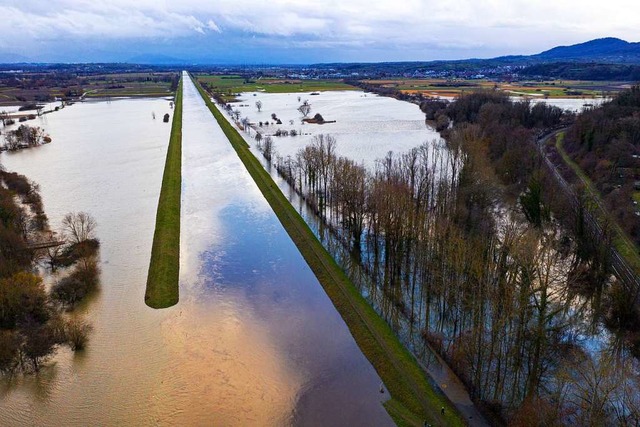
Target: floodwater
<point x="367" y="126"/>
<point x="354" y="145"/>
<point x="576" y="105"/>
<point x="371" y="142"/>
<point x="254" y="339"/>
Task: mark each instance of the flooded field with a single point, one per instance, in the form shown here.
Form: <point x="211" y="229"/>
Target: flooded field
<point x="415" y="310"/>
<point x="254" y="339"/>
<point x="383" y="138"/>
<point x="367" y="126"/>
<point x="576" y="105"/>
<point x="106" y="159"/>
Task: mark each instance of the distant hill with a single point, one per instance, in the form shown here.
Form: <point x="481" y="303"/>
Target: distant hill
<point x="610" y="49"/>
<point x="600" y="59"/>
<point x="582" y="71"/>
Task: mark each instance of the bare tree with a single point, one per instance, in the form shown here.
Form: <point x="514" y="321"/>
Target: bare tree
<point x="245" y="124"/>
<point x="24" y="136"/>
<point x="53" y="255"/>
<point x="259" y="105"/>
<point x="305" y="109"/>
<point x="77" y="332"/>
<point x="79" y="226"/>
<point x="11" y="141"/>
<point x="267" y="148"/>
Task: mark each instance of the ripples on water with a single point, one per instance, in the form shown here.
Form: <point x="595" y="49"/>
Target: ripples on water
<point x="254" y="339"/>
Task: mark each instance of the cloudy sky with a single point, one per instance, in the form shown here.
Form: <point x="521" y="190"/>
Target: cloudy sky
<point x="303" y="31"/>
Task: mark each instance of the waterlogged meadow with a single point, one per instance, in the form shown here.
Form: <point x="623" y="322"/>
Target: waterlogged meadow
<point x="253" y="340"/>
<point x="498" y="298"/>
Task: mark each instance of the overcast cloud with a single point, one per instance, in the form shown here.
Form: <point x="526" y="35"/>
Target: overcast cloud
<point x="304" y="31"/>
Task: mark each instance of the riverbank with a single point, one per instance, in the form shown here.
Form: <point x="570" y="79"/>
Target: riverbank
<point x="413" y="399"/>
<point x="164" y="268"/>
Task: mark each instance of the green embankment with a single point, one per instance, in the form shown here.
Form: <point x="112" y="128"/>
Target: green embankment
<point x="413" y="399"/>
<point x="164" y="267"/>
<point x="621" y="241"/>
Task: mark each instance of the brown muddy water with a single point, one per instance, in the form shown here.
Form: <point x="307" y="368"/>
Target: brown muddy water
<point x="254" y="339"/>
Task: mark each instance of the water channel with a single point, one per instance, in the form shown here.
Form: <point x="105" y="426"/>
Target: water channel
<point x="254" y="339"/>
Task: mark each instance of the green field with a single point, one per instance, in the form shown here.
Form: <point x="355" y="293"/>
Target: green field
<point x="537" y="89"/>
<point x="92" y="86"/>
<point x="413" y="399"/>
<point x="232" y="85"/>
<point x="164" y="267"/>
<point x="144" y="89"/>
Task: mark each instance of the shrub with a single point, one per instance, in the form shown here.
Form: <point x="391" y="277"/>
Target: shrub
<point x="73" y="288"/>
<point x="22" y="298"/>
<point x="9" y="346"/>
<point x="77" y="333"/>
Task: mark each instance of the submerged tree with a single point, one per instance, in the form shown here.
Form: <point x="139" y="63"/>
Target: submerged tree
<point x="79" y="227"/>
<point x="532" y="203"/>
<point x="304" y="109"/>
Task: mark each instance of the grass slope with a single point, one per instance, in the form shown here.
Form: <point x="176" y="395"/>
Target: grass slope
<point x="164" y="267"/>
<point x="413" y="399"/>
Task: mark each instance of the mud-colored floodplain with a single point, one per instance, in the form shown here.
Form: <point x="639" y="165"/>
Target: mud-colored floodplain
<point x="254" y="340"/>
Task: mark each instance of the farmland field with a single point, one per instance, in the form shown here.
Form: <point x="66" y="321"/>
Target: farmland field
<point x="232" y="85"/>
<point x="534" y="89"/>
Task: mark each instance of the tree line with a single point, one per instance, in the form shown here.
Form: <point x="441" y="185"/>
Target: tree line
<point x="24" y="137"/>
<point x="443" y="233"/>
<point x="32" y="319"/>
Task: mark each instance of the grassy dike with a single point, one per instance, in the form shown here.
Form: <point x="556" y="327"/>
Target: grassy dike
<point x="413" y="399"/>
<point x="164" y="267"/>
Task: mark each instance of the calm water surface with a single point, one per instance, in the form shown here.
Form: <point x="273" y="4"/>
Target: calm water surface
<point x="253" y="341"/>
<point x="367" y="126"/>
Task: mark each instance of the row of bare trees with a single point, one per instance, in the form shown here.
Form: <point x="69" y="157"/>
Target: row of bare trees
<point x="484" y="288"/>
